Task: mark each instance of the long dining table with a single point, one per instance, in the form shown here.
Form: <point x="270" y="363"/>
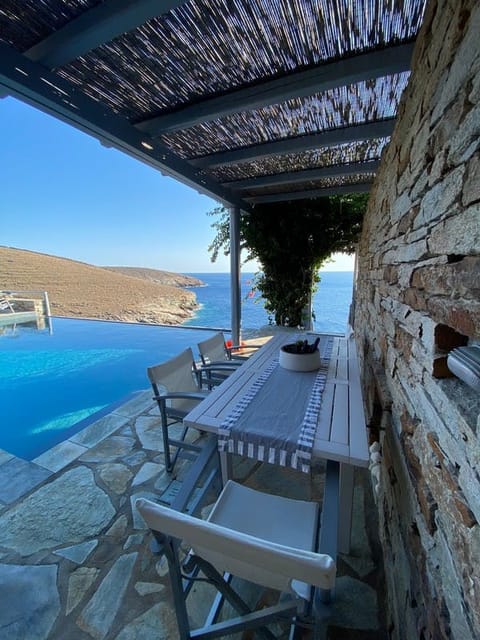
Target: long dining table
<point x="329" y="402"/>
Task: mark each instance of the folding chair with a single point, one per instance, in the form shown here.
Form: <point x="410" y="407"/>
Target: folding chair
<point x="5" y="305"/>
<point x="216" y="362"/>
<point x="177" y="387"/>
<point x="176" y="390"/>
<point x="216" y="350"/>
<point x="265" y="539"/>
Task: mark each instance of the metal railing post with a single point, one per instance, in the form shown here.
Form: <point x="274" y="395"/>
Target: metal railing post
<point x="235" y="287"/>
<point x="47" y="304"/>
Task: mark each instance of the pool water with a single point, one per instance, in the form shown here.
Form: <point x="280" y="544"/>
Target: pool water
<point x="52" y="383"/>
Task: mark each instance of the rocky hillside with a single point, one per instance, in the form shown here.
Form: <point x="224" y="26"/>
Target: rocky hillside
<point x="83" y="290"/>
<point x="162" y="277"/>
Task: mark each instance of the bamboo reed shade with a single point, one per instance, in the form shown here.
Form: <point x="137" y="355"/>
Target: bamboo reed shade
<point x="340" y="107"/>
<point x="23" y="24"/>
<point x="205" y="48"/>
<point x="323" y="183"/>
<point x="314" y="159"/>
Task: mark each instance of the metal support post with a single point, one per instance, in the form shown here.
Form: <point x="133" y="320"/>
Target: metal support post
<point x="235" y="273"/>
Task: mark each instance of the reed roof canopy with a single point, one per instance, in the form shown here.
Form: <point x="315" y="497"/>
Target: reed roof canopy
<point x="245" y="100"/>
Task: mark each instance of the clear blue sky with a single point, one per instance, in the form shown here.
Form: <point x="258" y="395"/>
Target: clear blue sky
<point x="65" y="194"/>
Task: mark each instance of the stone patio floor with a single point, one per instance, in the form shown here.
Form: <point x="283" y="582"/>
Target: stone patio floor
<point x="75" y="561"/>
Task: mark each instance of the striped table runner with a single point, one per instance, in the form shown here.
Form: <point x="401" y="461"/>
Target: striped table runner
<point x="275" y="421"/>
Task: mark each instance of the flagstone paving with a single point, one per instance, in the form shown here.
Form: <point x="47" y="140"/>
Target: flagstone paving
<point x="75" y="561"/>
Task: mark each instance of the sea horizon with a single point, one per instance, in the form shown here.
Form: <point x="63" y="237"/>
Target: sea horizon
<point x="331" y="301"/>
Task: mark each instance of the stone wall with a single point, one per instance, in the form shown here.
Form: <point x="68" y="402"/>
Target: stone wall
<point x="418" y="286"/>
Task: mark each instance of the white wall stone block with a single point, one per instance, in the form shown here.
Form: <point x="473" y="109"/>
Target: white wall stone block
<point x="407" y="253"/>
<point x="459" y="234"/>
<point x="440" y="198"/>
<point x="466" y="139"/>
<point x="401" y="206"/>
<point x="463" y="67"/>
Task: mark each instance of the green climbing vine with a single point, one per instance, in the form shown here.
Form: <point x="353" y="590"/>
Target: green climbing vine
<point x="291" y="241"/>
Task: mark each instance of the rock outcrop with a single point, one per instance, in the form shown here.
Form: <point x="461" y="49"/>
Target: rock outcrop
<point x="79" y="289"/>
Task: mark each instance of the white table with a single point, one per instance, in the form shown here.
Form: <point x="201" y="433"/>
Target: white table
<point x="341" y="435"/>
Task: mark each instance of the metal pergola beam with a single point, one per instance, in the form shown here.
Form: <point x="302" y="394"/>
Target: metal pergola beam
<point x="93" y="28"/>
<point x="293" y="177"/>
<point x="366" y="66"/>
<point x="330" y="138"/>
<point x="361" y="187"/>
<point x="32" y="83"/>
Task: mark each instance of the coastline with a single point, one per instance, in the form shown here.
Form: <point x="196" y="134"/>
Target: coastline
<point x="80" y="290"/>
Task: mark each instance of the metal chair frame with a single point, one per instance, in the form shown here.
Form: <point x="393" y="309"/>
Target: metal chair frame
<point x="175" y="403"/>
<point x="169" y="530"/>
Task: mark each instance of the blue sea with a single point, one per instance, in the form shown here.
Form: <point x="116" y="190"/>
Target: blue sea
<point x="331" y="302"/>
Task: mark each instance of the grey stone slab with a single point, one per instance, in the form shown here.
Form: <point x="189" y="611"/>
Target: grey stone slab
<point x="140" y="403"/>
<point x="118" y="528"/>
<point x="161" y="567"/>
<point x="127" y="430"/>
<point x="135" y="459"/>
<point x="147" y="472"/>
<point x="116" y="476"/>
<point x="78" y="552"/>
<point x="162" y="482"/>
<point x="18" y="477"/>
<point x="79" y="583"/>
<point x="355" y="605"/>
<point x="29" y="601"/>
<point x="134" y="539"/>
<point x="145" y="588"/>
<point x="138" y="521"/>
<point x="5" y="456"/>
<point x="152" y="439"/>
<point x="96" y="432"/>
<point x="144" y="423"/>
<point x="109" y="449"/>
<point x="158" y="622"/>
<point x="60" y="456"/>
<point x="97" y="617"/>
<point x="68" y="510"/>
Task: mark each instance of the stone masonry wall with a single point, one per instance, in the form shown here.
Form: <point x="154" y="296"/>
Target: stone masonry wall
<point x="417" y="296"/>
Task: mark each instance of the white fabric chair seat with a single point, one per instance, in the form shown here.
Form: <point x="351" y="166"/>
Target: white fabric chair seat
<point x="275" y="519"/>
<point x="268" y="540"/>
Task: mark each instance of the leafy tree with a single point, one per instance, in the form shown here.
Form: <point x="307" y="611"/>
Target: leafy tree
<point x="291" y="240"/>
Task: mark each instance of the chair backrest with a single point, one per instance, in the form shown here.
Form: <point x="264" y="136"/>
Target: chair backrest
<point x="265" y="563"/>
<point x="5" y="305"/>
<point x="213" y="349"/>
<point x="175" y="375"/>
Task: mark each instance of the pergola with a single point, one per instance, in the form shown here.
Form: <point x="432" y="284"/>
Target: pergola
<point x="247" y="101"/>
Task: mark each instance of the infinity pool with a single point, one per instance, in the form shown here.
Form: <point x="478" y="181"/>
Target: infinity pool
<point x="54" y="382"/>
